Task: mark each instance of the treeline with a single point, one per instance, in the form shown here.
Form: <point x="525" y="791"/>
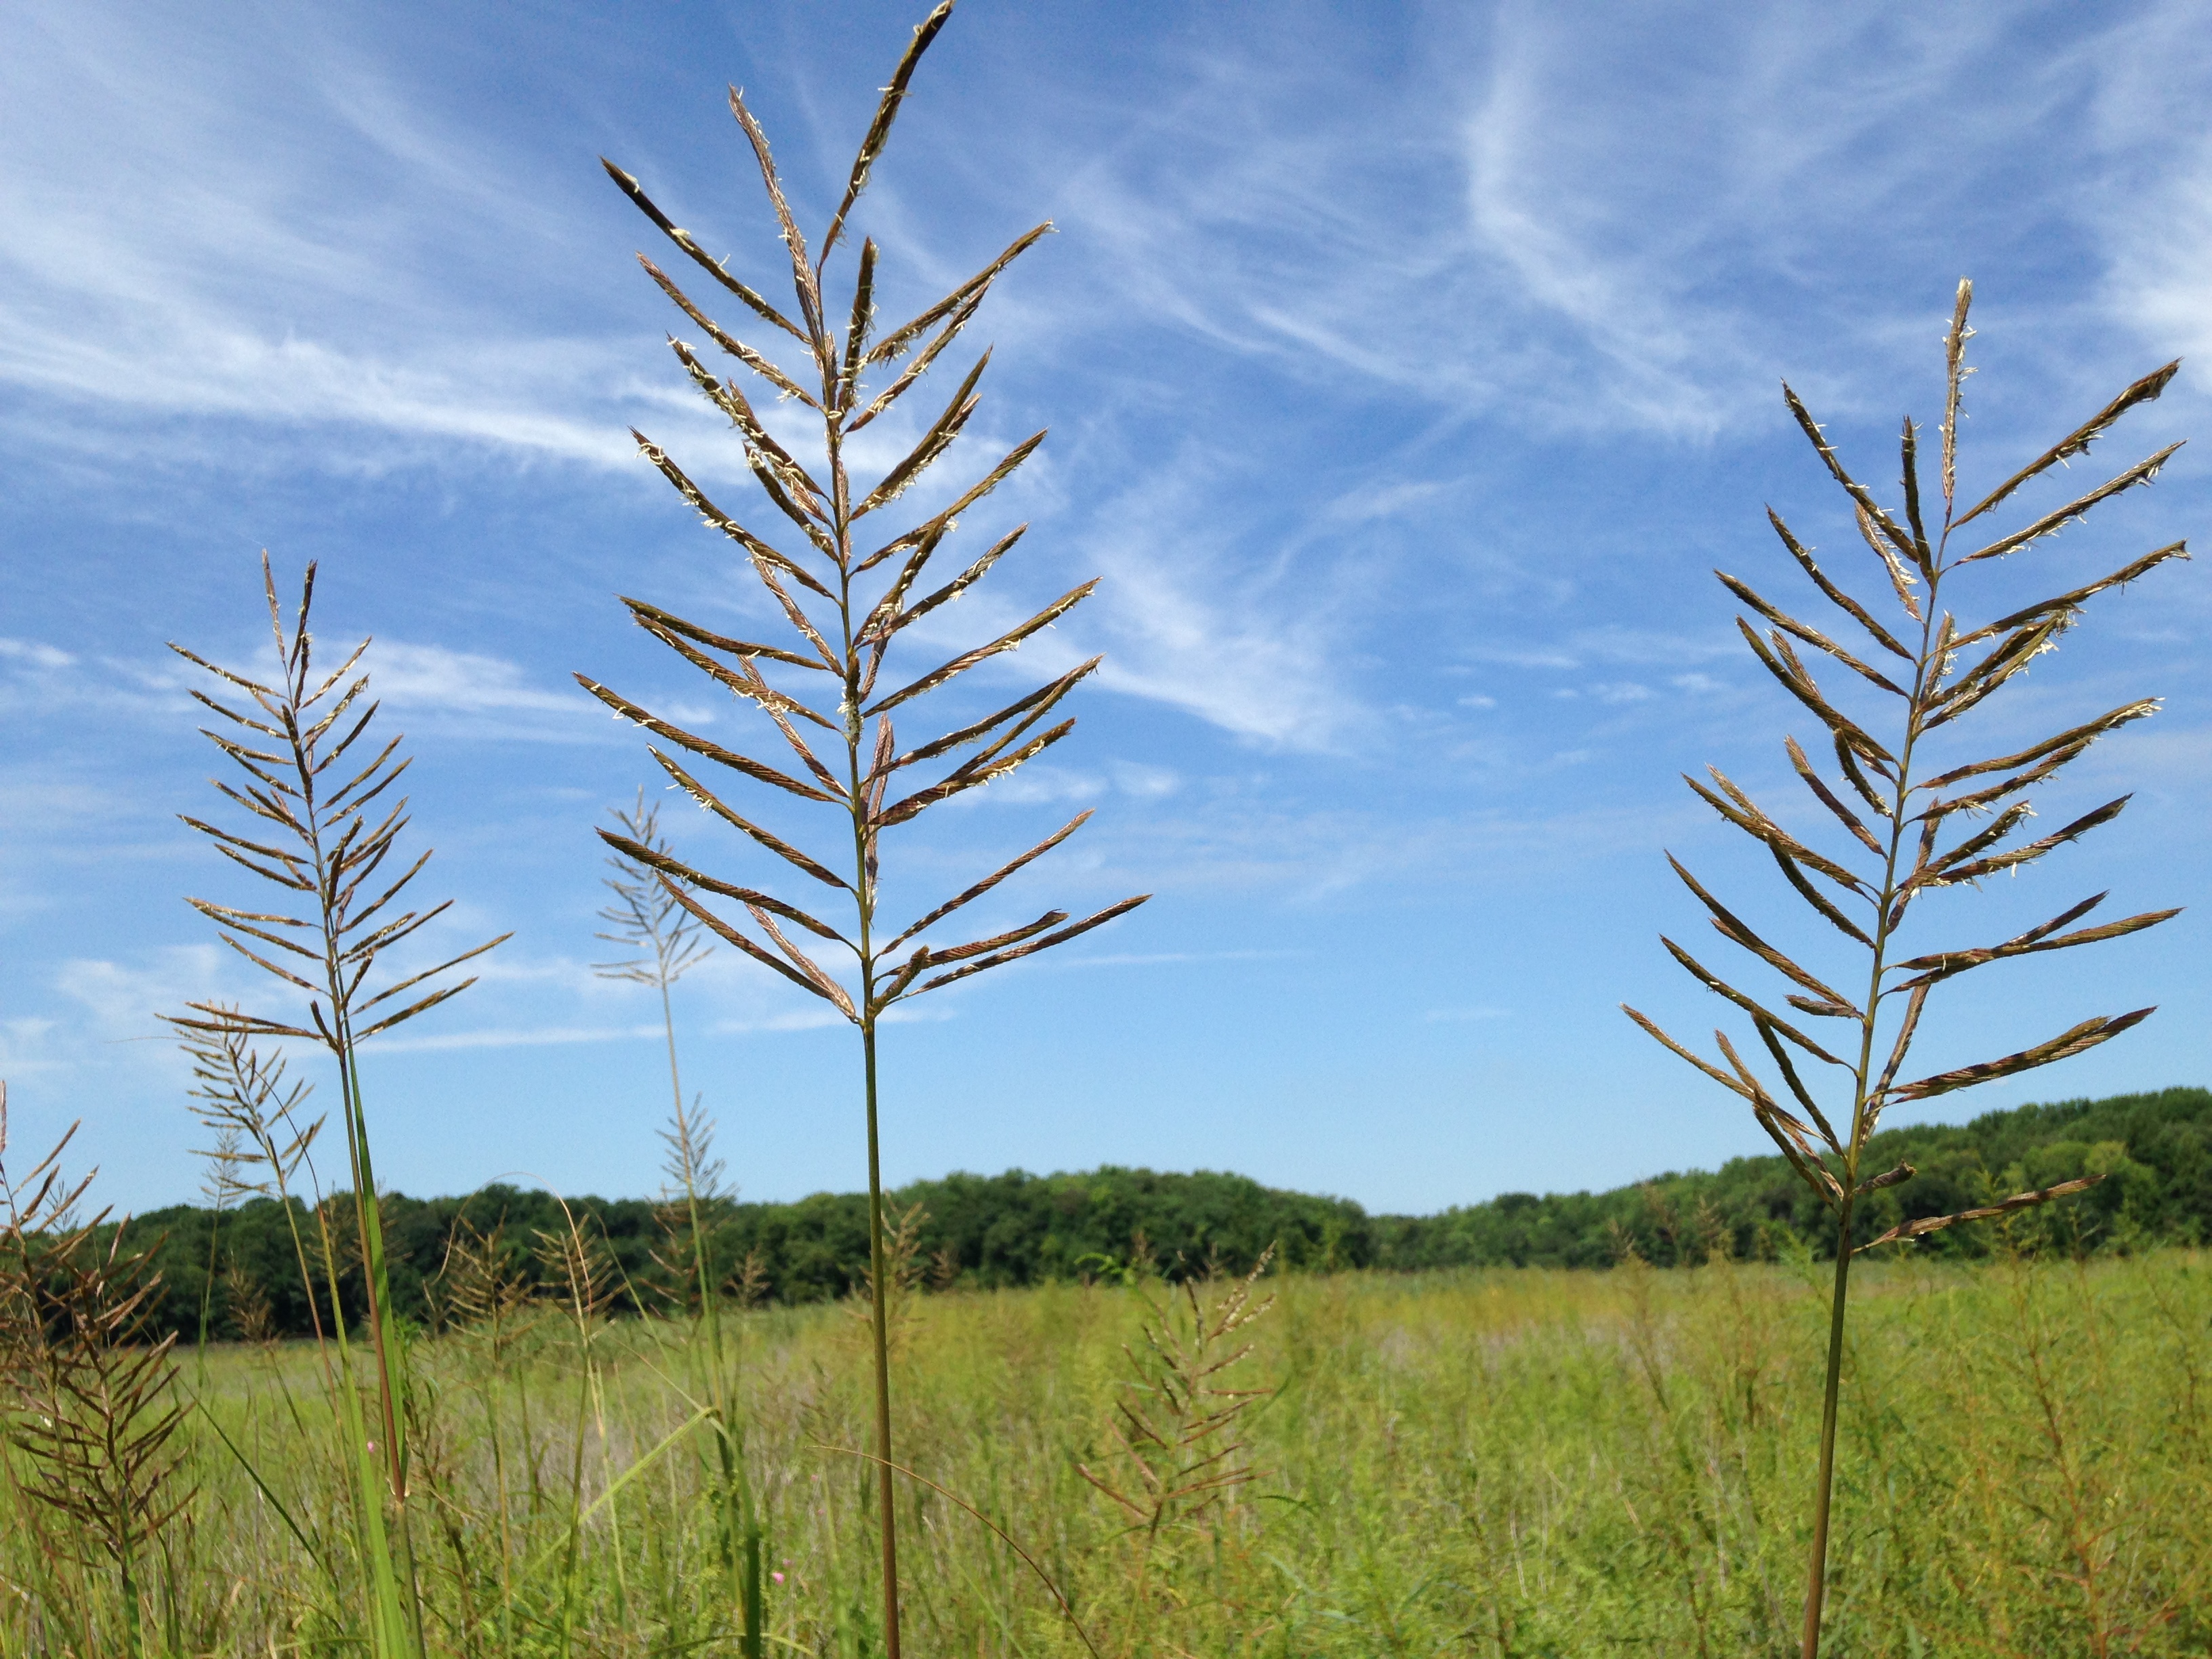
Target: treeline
<point x="239" y="1269"/>
<point x="2156" y="1150"/>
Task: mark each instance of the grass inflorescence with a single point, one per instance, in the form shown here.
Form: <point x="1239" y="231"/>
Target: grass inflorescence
<point x="1920" y="812"/>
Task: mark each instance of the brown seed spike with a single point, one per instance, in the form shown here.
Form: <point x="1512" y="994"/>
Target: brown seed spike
<point x="1720" y="987"/>
<point x="2088" y="1035"/>
<point x="1899" y="580"/>
<point x="704" y="747"/>
<point x="1738" y="809"/>
<point x="2077" y="442"/>
<point x="794" y="240"/>
<point x="938" y="523"/>
<point x="991" y="880"/>
<point x="1923" y="554"/>
<point x="1903" y="1172"/>
<point x="959" y="319"/>
<point x="683" y="873"/>
<point x="1732" y="928"/>
<point x="856" y="331"/>
<point x="735" y="936"/>
<point x="1034" y="707"/>
<point x="2072" y="600"/>
<point x="745" y="354"/>
<point x="992" y="764"/>
<point x="1713" y="1072"/>
<point x="657" y="622"/>
<point x="1933" y="1223"/>
<point x="1954" y="381"/>
<point x="895" y="343"/>
<point x="999" y="958"/>
<point x="1942" y="964"/>
<point x="1996" y="864"/>
<point x="1835" y="595"/>
<point x="628" y="186"/>
<point x="2051" y="523"/>
<point x="934" y="443"/>
<point x="1828" y="799"/>
<point x="1804" y="1097"/>
<point x="1781" y="662"/>
<point x="1874" y="516"/>
<point x="880" y="130"/>
<point x="1006" y="642"/>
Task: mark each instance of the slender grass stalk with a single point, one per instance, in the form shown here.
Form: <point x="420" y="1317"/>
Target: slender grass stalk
<point x="238" y="1092"/>
<point x="491" y="1301"/>
<point x="1905" y="833"/>
<point x="577" y="1269"/>
<point x="325" y="845"/>
<point x="846" y="636"/>
<point x="647" y="918"/>
<point x="221" y="1186"/>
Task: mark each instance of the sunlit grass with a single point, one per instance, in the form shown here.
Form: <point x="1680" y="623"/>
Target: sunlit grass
<point x="1507" y="1462"/>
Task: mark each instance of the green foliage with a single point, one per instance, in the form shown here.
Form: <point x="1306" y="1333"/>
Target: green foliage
<point x="2157" y="1148"/>
<point x="1016" y="1230"/>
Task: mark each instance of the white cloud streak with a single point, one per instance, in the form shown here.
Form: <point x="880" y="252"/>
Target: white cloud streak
<point x="180" y="242"/>
<point x="434" y="676"/>
<point x="472" y="693"/>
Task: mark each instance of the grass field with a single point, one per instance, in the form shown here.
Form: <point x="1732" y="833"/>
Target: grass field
<point x="1507" y="1462"/>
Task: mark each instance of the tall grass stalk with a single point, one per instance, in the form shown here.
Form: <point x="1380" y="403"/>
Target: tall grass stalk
<point x="845" y="630"/>
<point x="219" y="1186"/>
<point x="646" y="917"/>
<point x="1898" y="797"/>
<point x="245" y="1097"/>
<point x="323" y="845"/>
<point x="578" y="1268"/>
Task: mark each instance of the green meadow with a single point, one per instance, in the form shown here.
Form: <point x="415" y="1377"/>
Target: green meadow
<point x="1508" y="1462"/>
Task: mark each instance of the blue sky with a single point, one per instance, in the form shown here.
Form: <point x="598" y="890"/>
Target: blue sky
<point x="1408" y="370"/>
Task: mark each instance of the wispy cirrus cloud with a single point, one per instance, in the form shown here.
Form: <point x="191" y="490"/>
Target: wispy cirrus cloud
<point x="529" y="1037"/>
<point x="125" y="1000"/>
<point x="25" y="1047"/>
<point x="32" y="655"/>
<point x="468" y="692"/>
<point x="1632" y="250"/>
<point x="1610" y="643"/>
<point x="1189" y="621"/>
<point x="261" y="225"/>
<point x="477" y="693"/>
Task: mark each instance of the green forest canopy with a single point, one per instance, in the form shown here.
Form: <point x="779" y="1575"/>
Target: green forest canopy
<point x="1019" y="1228"/>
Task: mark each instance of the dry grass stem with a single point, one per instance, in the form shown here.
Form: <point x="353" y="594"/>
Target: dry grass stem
<point x="95" y="1409"/>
